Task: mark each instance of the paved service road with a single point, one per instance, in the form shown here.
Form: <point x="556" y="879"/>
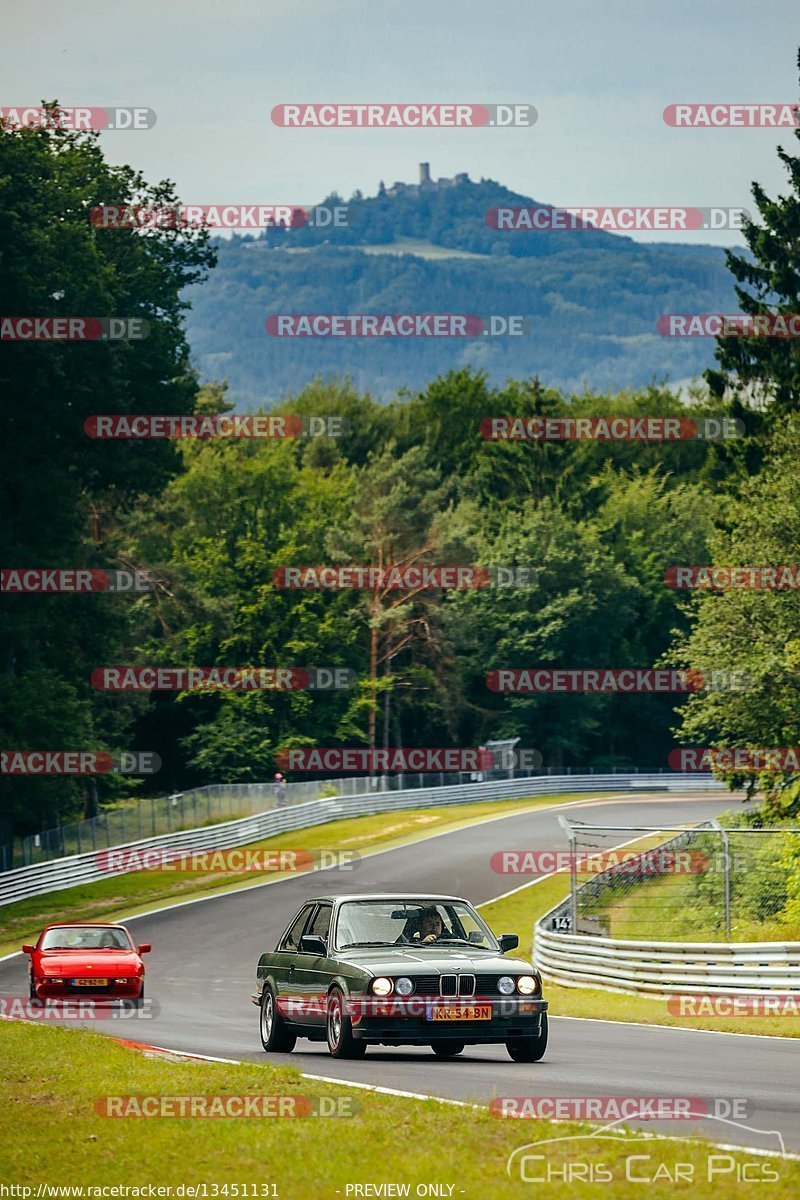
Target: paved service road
<point x="202" y="969"/>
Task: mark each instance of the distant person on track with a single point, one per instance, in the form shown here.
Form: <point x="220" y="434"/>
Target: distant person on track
<point x="279" y="788"/>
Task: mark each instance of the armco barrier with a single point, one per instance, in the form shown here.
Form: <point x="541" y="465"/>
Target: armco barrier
<point x="579" y="960"/>
<point x="61" y="873"/>
<point x="655" y="968"/>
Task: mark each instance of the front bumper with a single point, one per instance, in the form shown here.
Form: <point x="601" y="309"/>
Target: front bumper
<point x="510" y="1018"/>
<point x="45" y="990"/>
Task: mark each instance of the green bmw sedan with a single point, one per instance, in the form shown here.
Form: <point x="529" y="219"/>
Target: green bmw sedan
<point x="398" y="970"/>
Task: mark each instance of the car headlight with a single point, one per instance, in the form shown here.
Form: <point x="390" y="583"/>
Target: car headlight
<point x="381" y="986"/>
<point x="528" y="985"/>
<point x="126" y="979"/>
<point x="506" y="985"/>
<point x="403" y="986"/>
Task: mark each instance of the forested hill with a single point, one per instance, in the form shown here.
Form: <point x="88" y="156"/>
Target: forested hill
<point x="592" y="298"/>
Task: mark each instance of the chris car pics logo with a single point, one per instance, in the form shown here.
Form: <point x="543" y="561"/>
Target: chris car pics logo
<point x="613" y="1154"/>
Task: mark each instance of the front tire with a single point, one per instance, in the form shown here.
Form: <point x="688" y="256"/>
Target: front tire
<point x="339" y="1027"/>
<point x="529" y="1049"/>
<point x="447" y="1049"/>
<point x="275" y="1037"/>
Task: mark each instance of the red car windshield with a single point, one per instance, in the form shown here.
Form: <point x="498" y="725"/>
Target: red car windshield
<point x="85" y="937"/>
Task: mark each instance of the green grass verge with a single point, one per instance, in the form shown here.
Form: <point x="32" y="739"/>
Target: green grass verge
<point x="119" y="896"/>
<point x="670" y="909"/>
<point x="51" y="1133"/>
<point x="517" y="914"/>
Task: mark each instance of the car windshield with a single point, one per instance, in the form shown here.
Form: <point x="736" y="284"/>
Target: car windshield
<point x="414" y="922"/>
<point x="86" y="937"/>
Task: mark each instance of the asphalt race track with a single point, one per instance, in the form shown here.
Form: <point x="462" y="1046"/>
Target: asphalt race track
<point x="201" y="972"/>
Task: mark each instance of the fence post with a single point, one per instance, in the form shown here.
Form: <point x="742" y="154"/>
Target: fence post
<point x="573" y="873"/>
<point x="726" y="869"/>
<point x="726" y="848"/>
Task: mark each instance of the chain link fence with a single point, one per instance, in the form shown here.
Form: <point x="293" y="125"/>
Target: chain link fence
<point x="706" y="883"/>
<point x="155" y="815"/>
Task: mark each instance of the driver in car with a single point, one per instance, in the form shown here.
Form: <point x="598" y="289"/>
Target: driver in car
<point x="431" y="926"/>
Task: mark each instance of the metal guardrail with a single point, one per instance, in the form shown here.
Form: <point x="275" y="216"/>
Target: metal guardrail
<point x="576" y="960"/>
<point x="57" y="874"/>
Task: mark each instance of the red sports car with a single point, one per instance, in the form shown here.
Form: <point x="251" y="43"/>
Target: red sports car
<point x="101" y="961"/>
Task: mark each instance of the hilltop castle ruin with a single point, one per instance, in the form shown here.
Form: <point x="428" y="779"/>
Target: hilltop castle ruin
<point x="426" y="184"/>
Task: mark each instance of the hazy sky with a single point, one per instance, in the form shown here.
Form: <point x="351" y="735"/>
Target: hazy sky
<point x="599" y="72"/>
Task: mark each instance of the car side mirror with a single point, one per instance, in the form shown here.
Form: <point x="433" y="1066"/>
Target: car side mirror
<point x="28" y="949"/>
<point x="145" y="948"/>
<point x="508" y="941"/>
<point x="310" y="943"/>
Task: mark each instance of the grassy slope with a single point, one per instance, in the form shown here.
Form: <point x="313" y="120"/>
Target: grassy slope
<point x="641" y="914"/>
<point x="50" y="1132"/>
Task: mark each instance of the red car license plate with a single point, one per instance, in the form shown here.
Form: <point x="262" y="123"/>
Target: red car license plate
<point x="90" y="983"/>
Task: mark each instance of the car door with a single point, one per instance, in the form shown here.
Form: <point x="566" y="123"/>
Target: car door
<point x="312" y="972"/>
<point x="286" y="994"/>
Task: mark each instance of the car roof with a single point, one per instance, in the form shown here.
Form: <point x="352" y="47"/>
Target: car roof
<point x="96" y="924"/>
<point x="339" y="897"/>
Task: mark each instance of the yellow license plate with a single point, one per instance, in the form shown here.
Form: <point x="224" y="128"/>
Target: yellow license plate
<point x="462" y="1012"/>
<point x="90" y="983"/>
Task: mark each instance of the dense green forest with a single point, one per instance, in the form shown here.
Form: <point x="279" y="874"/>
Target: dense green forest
<point x="592" y="299"/>
<point x="410" y="480"/>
